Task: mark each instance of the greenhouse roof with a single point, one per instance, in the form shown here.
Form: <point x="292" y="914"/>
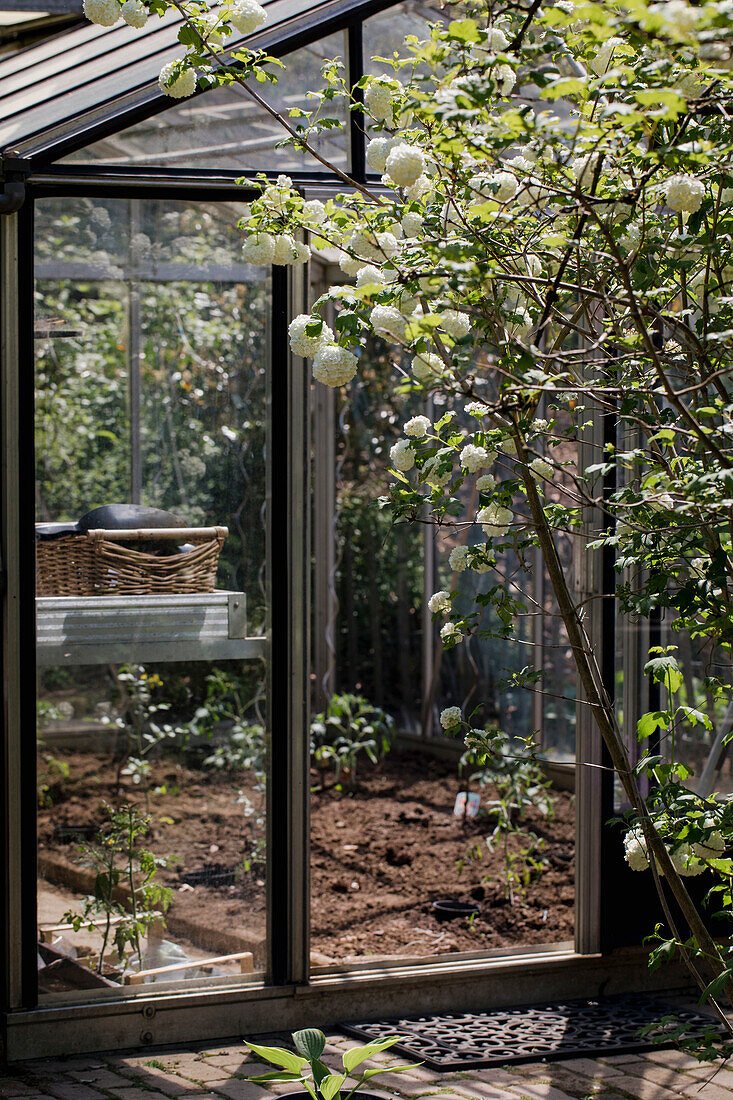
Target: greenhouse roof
<point x="74" y="86"/>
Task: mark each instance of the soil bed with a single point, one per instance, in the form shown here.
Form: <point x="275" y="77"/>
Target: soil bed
<point x="380" y="857"/>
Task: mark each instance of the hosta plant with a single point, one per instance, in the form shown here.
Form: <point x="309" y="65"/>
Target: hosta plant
<point x="304" y="1066"/>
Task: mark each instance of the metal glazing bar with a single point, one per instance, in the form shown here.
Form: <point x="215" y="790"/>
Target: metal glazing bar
<point x="133" y="365"/>
<point x="356" y="118"/>
<point x="18" y="850"/>
<point x="288" y="587"/>
<point x="588" y="752"/>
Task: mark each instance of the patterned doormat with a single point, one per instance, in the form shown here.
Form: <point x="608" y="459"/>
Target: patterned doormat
<point x="559" y="1029"/>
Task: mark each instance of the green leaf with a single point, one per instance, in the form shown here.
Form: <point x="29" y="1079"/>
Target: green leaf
<point x="331" y="1085"/>
<point x="310" y="1042"/>
<point x="280" y="1057"/>
<point x="465" y="30"/>
<point x="277" y="1075"/>
<point x="369" y="1073"/>
<point x="648" y="724"/>
<point x="354" y="1057"/>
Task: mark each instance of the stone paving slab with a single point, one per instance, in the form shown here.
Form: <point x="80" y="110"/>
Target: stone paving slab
<point x="222" y="1072"/>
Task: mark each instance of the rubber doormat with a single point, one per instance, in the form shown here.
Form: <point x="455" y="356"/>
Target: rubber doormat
<point x="559" y="1029"/>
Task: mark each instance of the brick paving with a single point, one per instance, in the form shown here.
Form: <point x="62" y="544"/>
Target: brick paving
<point x="222" y="1073"/>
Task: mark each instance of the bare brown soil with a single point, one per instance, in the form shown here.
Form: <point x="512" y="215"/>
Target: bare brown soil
<point x="379" y="856"/>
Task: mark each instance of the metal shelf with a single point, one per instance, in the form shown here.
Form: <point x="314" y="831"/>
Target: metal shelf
<point x="76" y="630"/>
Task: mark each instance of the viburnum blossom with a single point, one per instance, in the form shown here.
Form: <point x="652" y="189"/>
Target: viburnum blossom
<point x="334" y="366"/>
<point x="412" y="223"/>
<point x="684" y="194"/>
<point x="402" y="455"/>
<point x="439" y="602"/>
<point x="450" y="717"/>
<point x="178" y="87"/>
<point x="259" y="249"/>
<point x="635" y="850"/>
<point x="388" y="322"/>
<point x="475" y="458"/>
<point x="405" y="164"/>
<point x="314" y="212"/>
<point x="378" y="99"/>
<point x="103" y="12"/>
<point x="449" y="631"/>
<point x="495" y="520"/>
<point x="134" y="13"/>
<point x="455" y="323"/>
<point x="427" y="365"/>
<point x="301" y="343"/>
<point x="458" y="558"/>
<point x="417" y="427"/>
<point x="542" y="469"/>
<point x="486" y="483"/>
<point x="247" y="16"/>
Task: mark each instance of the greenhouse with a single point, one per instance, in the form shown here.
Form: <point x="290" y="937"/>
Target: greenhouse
<point x="296" y="730"/>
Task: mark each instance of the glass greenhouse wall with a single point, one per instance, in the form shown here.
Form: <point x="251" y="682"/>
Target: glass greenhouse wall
<point x="279" y="875"/>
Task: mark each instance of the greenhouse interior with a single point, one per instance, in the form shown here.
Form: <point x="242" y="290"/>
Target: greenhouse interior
<point x="236" y="799"/>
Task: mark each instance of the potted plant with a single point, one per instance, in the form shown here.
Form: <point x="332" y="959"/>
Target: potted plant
<point x="304" y="1066"/>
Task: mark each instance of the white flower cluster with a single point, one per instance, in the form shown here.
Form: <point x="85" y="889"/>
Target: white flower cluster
<point x="177" y="87"/>
<point x="304" y="345"/>
<point x="432" y="474"/>
<point x="412" y="223"/>
<point x="475" y="458"/>
<point x="687" y="859"/>
<point x="458" y="559"/>
<point x="450" y="718"/>
<point x="378" y="150"/>
<point x="455" y="324"/>
<point x="387" y="322"/>
<point x="486" y="483"/>
<point x="448" y="631"/>
<point x="104" y="13"/>
<point x="378" y="98"/>
<point x="405" y="164"/>
<point x="264" y="248"/>
<point x="134" y="13"/>
<point x="541" y="469"/>
<point x="259" y="248"/>
<point x="417" y="427"/>
<point x="439" y="603"/>
<point x="684" y="194"/>
<point x="402" y="455"/>
<point x="495" y="520"/>
<point x="369" y="275"/>
<point x="334" y="366"/>
<point x="246" y="16"/>
<point x="426" y="366"/>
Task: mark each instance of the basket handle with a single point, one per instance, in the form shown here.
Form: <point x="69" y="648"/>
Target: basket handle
<point x="151" y="533"/>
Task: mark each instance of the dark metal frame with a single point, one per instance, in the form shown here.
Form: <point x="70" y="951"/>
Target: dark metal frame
<point x="287" y="815"/>
<point x="347" y="16"/>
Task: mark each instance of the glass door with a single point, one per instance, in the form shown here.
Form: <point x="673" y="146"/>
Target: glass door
<point x="152" y="352"/>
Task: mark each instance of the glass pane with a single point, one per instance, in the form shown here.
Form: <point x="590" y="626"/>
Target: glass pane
<point x="151" y="390"/>
<point x="385" y="33"/>
<point x="225" y="128"/>
<point x="386" y="838"/>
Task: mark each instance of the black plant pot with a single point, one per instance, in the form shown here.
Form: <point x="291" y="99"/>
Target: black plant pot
<point x="451" y="909"/>
<point x="302" y="1095"/>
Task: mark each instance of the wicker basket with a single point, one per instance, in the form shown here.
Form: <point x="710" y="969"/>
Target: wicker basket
<point x="95" y="564"/>
<point x="64" y="566"/>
